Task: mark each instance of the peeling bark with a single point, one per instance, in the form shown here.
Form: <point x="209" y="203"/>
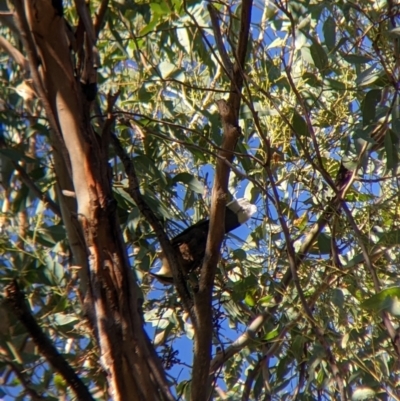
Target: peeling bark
<point x="127" y="356"/>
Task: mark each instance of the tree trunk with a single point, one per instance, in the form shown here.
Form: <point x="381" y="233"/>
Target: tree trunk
<point x="127" y="356"/>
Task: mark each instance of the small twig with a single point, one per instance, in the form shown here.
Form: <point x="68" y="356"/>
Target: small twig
<point x="24" y="176"/>
<point x="241" y="341"/>
<point x="26" y="383"/>
<point x="201" y="30"/>
<point x="377" y="285"/>
<point x="107" y="125"/>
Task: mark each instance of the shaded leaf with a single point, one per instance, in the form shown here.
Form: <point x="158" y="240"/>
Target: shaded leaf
<point x="337" y="297"/>
<point x="324" y="243"/>
<point x="356" y="59"/>
<point x="299" y="124"/>
<point x="192" y="182"/>
<point x="319" y="56"/>
<point x="329" y="29"/>
<point x="369" y="104"/>
<point x="16" y="155"/>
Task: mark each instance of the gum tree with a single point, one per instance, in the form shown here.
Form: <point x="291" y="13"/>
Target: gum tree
<point x="122" y="123"/>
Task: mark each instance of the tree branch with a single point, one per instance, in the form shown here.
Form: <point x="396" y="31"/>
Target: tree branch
<point x="100" y="15"/>
<point x="228" y="66"/>
<point x="203" y="309"/>
<point x="16" y="300"/>
<point x="229" y="112"/>
<point x="251" y="376"/>
<point x="33" y="58"/>
<point x="15" y="54"/>
<point x="26" y="382"/>
<point x="169" y="252"/>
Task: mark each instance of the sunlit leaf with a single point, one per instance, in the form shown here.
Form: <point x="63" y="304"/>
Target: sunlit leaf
<point x="368" y="76"/>
<point x="363" y="393"/>
<point x="387" y="300"/>
<point x="62" y="319"/>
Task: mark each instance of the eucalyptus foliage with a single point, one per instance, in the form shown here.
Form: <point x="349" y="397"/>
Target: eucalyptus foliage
<point x="320" y="91"/>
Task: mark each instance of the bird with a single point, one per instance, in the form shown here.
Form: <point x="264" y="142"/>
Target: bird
<point x="190" y="244"/>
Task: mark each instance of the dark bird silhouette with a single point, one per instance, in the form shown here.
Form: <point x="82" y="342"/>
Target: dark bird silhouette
<point x="190" y="244"/>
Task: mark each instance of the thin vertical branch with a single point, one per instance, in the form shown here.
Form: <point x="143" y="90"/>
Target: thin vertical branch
<point x="229" y="112"/>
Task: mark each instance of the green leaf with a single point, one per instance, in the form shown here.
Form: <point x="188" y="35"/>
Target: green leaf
<point x="389" y="238"/>
<point x="160" y="7"/>
<point x="329" y="29"/>
<point x="334" y="84"/>
<point x="16" y="155"/>
<point x="356" y="59"/>
<point x="272" y="334"/>
<point x="324" y="243"/>
<point x="149" y="169"/>
<point x="54" y="271"/>
<point x="6" y="170"/>
<point x="157" y="206"/>
<point x="297" y="347"/>
<point x="337" y="297"/>
<point x="368" y="106"/>
<point x="52" y="234"/>
<point x="60" y="382"/>
<point x="265" y="300"/>
<point x="319" y="56"/>
<point x="192" y="182"/>
<point x="242" y="287"/>
<point x="274" y="73"/>
<point x="391" y="149"/>
<point x="249" y="300"/>
<point x="300" y="125"/>
<point x="363" y="393"/>
<point x="368" y="77"/>
<point x="239" y="254"/>
<point x="311" y="79"/>
<point x="258" y="386"/>
<point x="123" y="199"/>
<point x="386" y="300"/>
<point x="62" y="319"/>
<point x="166" y="69"/>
